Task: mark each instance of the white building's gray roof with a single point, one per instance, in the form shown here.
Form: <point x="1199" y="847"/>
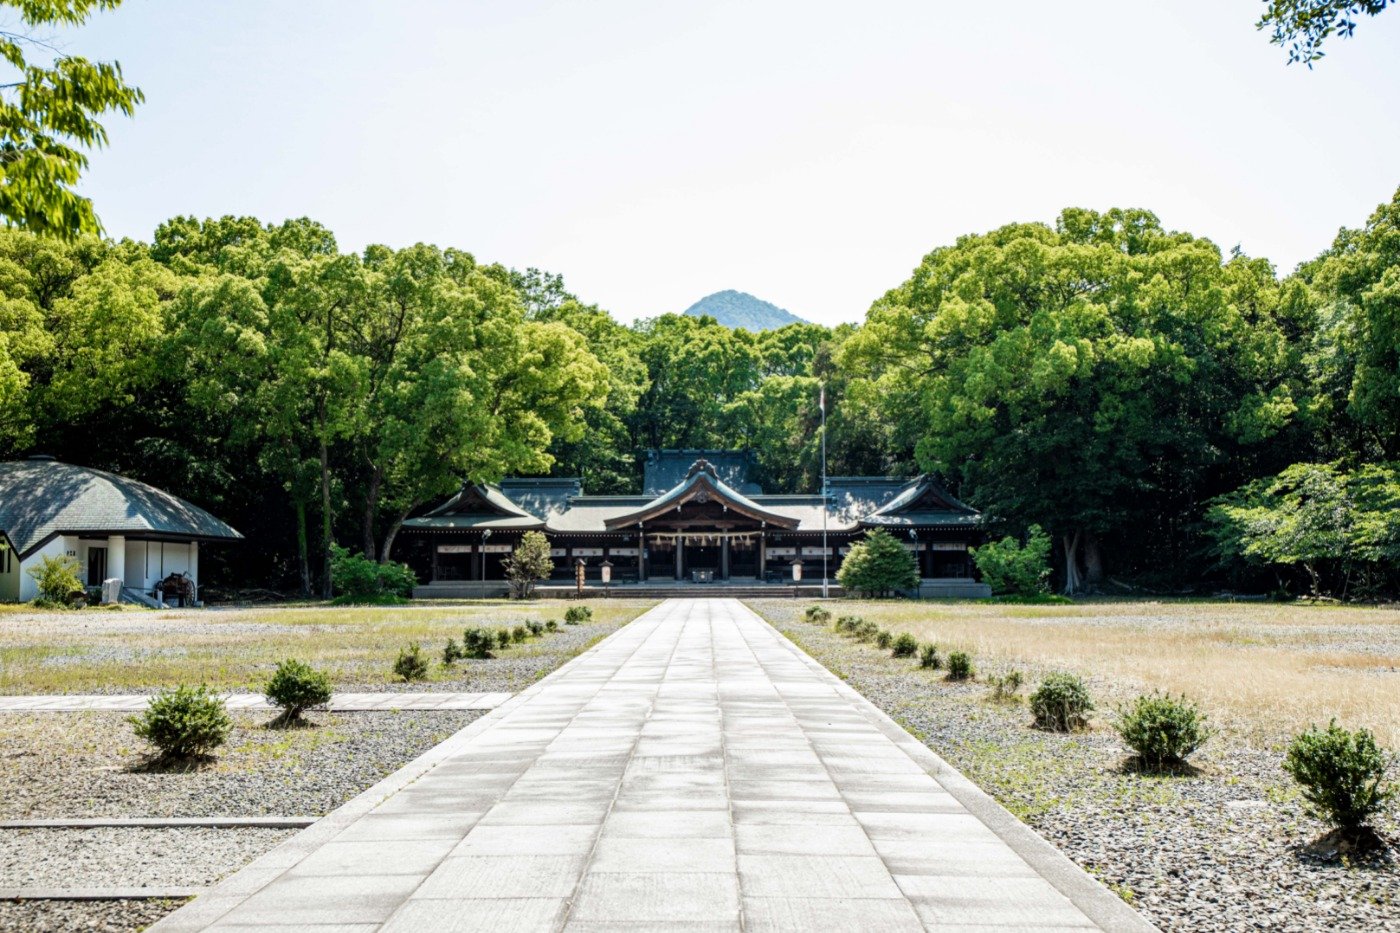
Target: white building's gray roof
<point x="41" y="497"/>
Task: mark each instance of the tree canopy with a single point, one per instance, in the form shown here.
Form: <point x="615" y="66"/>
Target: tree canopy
<point x="49" y="118"/>
<point x="1302" y="26"/>
<point x="1166" y="412"/>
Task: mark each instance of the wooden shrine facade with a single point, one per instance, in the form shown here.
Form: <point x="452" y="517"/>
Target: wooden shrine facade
<point x="699" y="519"/>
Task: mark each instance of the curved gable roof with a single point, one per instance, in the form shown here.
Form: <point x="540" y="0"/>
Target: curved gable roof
<point x="700" y="483"/>
<point x="41" y="497"/>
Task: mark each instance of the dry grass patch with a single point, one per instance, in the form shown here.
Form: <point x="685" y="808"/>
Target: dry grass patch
<point x="1262" y="671"/>
<point x="237" y="649"/>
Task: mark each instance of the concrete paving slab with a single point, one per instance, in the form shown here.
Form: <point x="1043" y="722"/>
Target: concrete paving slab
<point x="693" y="771"/>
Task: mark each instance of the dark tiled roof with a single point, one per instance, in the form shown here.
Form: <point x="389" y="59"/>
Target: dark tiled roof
<point x="702" y="479"/>
<point x="664" y="470"/>
<point x="41" y="497"/>
<point x="560" y="505"/>
<point x="542" y="498"/>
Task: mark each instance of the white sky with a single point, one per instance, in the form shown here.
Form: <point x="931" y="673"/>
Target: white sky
<point x="807" y="152"/>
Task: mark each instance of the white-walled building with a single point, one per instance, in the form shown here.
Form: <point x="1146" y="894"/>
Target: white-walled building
<point x="112" y="526"/>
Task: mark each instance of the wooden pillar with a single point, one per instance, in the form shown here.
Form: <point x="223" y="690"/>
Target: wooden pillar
<point x="724" y="558"/>
<point x="641" y="557"/>
<point x="762" y="555"/>
<point x="679" y="545"/>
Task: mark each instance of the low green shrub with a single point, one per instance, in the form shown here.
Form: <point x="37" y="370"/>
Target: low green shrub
<point x="847" y="625"/>
<point x="296" y="687"/>
<point x="905" y="646"/>
<point x="451" y="653"/>
<point x="1006" y="687"/>
<point x="411" y="665"/>
<point x="928" y="657"/>
<point x="960" y="666"/>
<point x="867" y="631"/>
<point x="56" y="579"/>
<point x="477" y="643"/>
<point x="883" y="640"/>
<point x="519" y="634"/>
<point x="356" y="578"/>
<point x="1162" y="729"/>
<point x="1342" y="775"/>
<point x="536" y="628"/>
<point x="186" y="722"/>
<point x="503" y="638"/>
<point x="818" y="614"/>
<point x="1008" y="566"/>
<point x="1061" y="703"/>
<point x="551" y="626"/>
<point x="576" y="614"/>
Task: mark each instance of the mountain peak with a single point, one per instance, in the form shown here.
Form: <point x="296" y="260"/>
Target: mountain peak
<point x="740" y="309"/>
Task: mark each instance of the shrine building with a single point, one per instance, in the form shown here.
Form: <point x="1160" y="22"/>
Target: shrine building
<point x="700" y="519"/>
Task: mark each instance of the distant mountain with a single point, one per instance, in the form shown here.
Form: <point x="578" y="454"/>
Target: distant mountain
<point x="740" y="309"/>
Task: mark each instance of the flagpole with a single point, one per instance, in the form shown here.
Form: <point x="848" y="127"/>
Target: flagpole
<point x="824" y="494"/>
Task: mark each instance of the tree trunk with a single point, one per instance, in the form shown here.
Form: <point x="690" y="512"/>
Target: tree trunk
<point x="326" y="589"/>
<point x="376" y="478"/>
<point x="1093" y="561"/>
<point x="303" y="549"/>
<point x="1072" y="580"/>
<point x="387" y="550"/>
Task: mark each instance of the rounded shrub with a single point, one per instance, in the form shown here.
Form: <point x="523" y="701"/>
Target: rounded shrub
<point x="295" y="687"/>
<point x="1061" y="703"/>
<point x="818" y="614"/>
<point x="928" y="657"/>
<point x="883" y="639"/>
<point x="1006" y="687"/>
<point x="905" y="646"/>
<point x="477" y="643"/>
<point x="410" y="664"/>
<point x="867" y="631"/>
<point x="1162" y="729"/>
<point x="186" y="722"/>
<point x="551" y="626"/>
<point x="847" y="625"/>
<point x="576" y="614"/>
<point x="519" y="634"/>
<point x="1342" y="775"/>
<point x="536" y="628"/>
<point x="451" y="653"/>
<point x="960" y="666"/>
<point x="503" y="639"/>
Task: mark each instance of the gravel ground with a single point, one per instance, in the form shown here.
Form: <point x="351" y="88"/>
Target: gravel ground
<point x="1217" y="849"/>
<point x="90" y="764"/>
<point x="129" y="858"/>
<point x="82" y="917"/>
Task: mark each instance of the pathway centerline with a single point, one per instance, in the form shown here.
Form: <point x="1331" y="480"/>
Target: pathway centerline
<point x="694" y="770"/>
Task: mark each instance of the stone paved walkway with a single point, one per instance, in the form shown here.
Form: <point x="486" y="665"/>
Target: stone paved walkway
<point x="340" y="702"/>
<point x="694" y="771"/>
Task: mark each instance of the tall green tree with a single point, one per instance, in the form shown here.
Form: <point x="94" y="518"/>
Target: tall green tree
<point x="1356" y="286"/>
<point x="49" y="119"/>
<point x="1092" y="377"/>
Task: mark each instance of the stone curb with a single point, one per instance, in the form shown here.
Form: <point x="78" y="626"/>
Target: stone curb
<point x="215" y="902"/>
<point x="407" y="701"/>
<point x="180" y="822"/>
<point x="97" y="894"/>
<point x="1086" y="892"/>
